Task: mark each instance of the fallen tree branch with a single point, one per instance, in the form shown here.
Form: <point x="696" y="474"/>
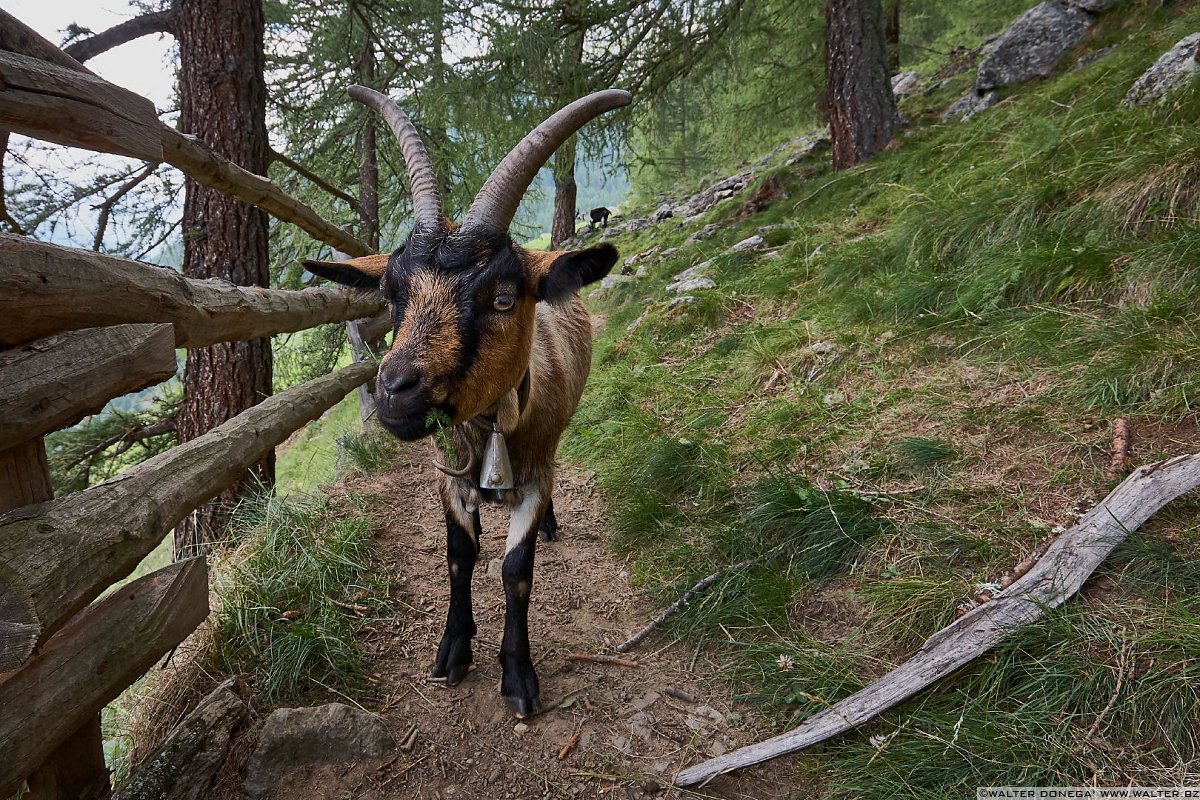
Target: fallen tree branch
<point x="105" y="208"/>
<point x="1068" y="562"/>
<point x="688" y="596"/>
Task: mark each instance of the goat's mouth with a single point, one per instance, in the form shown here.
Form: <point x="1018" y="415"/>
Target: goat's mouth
<point x="408" y="428"/>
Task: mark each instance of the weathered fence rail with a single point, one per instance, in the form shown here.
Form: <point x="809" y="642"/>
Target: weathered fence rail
<point x="69" y="105"/>
<point x="78" y="328"/>
<point x="46" y="288"/>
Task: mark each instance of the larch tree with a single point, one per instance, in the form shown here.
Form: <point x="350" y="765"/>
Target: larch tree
<point x="858" y="90"/>
<point x="223" y="102"/>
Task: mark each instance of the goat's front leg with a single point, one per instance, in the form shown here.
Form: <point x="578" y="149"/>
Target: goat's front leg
<point x="519" y="682"/>
<point x="454" y="656"/>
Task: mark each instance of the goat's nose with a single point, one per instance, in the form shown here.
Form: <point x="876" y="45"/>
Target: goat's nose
<point x="396" y="381"/>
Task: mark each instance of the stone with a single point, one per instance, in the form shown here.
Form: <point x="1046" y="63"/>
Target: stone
<point x="822" y="348"/>
<point x="520" y="729"/>
<point x="662" y="212"/>
<point x="696" y="271"/>
<point x="612" y="280"/>
<point x="704" y="716"/>
<point x="685" y="300"/>
<point x="1088" y="59"/>
<point x="645" y="701"/>
<point x="1092" y="6"/>
<point x="633" y="326"/>
<point x="692" y="285"/>
<point x="752" y="243"/>
<point x="185" y="764"/>
<point x="1173" y="69"/>
<point x="641" y="725"/>
<point x="319" y="752"/>
<point x="704" y="233"/>
<point x="905" y="83"/>
<point x="670" y="251"/>
<point x="495" y="568"/>
<point x="968" y="106"/>
<point x="1032" y="45"/>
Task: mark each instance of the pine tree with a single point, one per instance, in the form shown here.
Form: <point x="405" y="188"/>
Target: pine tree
<point x="858" y="90"/>
<point x="223" y="102"/>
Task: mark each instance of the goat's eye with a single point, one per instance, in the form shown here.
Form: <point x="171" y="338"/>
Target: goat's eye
<point x="504" y="302"/>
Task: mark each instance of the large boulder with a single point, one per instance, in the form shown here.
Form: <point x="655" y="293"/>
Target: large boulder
<point x="1032" y="45"/>
<point x="321" y="752"/>
<point x="1173" y="69"/>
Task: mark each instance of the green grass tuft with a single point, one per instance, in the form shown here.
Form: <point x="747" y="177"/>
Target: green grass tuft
<point x="280" y="621"/>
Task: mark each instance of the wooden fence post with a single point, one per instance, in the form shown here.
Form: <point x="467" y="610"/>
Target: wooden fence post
<point x="76" y="769"/>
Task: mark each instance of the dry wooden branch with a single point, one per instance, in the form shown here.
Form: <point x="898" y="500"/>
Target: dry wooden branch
<point x="46" y="289"/>
<point x="615" y="661"/>
<point x="93" y="660"/>
<point x="54" y="382"/>
<point x="65" y="552"/>
<point x="315" y="179"/>
<point x="1122" y="439"/>
<point x="17" y="37"/>
<point x="1057" y="576"/>
<point x="121" y="33"/>
<point x="566" y="749"/>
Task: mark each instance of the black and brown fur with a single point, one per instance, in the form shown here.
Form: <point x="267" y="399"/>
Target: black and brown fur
<point x="485" y="332"/>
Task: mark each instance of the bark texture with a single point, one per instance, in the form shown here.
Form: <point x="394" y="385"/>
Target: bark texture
<point x="858" y="92"/>
<point x="127" y="31"/>
<point x="223" y="101"/>
<point x="566" y="195"/>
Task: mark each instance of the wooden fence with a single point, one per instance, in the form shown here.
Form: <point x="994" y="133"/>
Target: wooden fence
<point x="76" y="329"/>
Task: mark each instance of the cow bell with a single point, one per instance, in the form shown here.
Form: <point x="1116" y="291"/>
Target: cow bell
<point x="497" y="469"/>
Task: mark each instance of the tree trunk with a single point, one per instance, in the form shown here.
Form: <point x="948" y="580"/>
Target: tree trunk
<point x="368" y="159"/>
<point x="891" y="36"/>
<point x="223" y="101"/>
<point x="565" y="195"/>
<point x="858" y="90"/>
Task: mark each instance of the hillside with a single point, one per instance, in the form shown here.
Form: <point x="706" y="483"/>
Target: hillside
<point x="909" y="386"/>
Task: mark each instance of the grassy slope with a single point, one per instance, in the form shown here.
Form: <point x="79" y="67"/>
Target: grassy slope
<point x="998" y="292"/>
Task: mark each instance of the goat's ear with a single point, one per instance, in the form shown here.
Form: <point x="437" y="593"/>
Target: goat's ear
<point x="357" y="273"/>
<point x="568" y="272"/>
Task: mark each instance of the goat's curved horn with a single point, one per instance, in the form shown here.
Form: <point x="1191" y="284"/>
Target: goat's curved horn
<point x="427" y="203"/>
<point x="458" y="473"/>
<point x="496" y="204"/>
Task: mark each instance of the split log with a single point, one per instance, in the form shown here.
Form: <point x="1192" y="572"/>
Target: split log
<point x="67" y="106"/>
<point x="1068" y="562"/>
<point x="51" y="102"/>
<point x="92" y="660"/>
<point x="17" y="37"/>
<point x="185" y="764"/>
<point x="67" y="551"/>
<point x="46" y="289"/>
<point x="54" y="382"/>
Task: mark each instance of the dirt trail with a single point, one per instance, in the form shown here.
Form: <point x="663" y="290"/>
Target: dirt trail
<point x="632" y="737"/>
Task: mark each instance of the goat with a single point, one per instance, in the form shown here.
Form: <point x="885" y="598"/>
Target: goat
<point x="495" y="338"/>
<point x="599" y="214"/>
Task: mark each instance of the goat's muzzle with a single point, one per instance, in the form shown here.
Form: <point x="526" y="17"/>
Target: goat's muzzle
<point x="402" y="402"/>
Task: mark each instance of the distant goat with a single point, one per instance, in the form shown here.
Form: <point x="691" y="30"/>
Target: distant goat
<point x="494" y="338"/>
<point x="599" y="214"/>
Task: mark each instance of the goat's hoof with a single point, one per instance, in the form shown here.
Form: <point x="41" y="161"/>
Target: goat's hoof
<point x="454" y="660"/>
<point x="547" y="535"/>
<point x="523" y="707"/>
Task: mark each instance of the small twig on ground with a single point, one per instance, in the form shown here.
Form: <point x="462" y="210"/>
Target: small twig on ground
<point x="410" y="739"/>
<point x="1122" y="660"/>
<point x="688" y="596"/>
<point x="357" y="609"/>
<point x="615" y="661"/>
<point x="570" y="745"/>
<point x="679" y="694"/>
